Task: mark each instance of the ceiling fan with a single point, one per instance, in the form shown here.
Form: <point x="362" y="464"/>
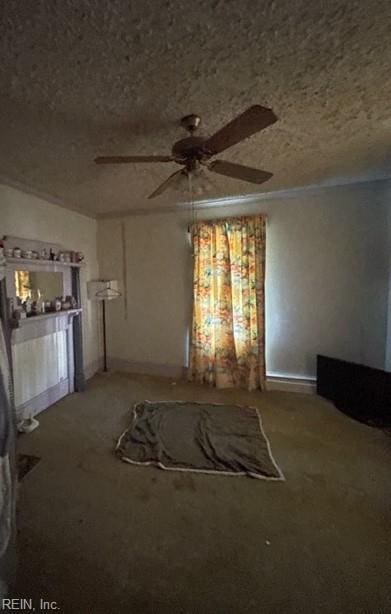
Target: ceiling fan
<point x="194" y="152"/>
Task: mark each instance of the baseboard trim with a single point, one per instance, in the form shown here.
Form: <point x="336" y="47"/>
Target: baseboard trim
<point x="43" y="401"/>
<point x="146" y="368"/>
<point x="284" y="384"/>
<point x="291" y="384"/>
<point x="92" y="368"/>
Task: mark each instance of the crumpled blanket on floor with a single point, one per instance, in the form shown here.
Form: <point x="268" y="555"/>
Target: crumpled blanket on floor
<point x="200" y="437"/>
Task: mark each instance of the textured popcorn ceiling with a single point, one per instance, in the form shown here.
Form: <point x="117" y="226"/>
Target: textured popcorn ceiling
<point x="81" y="78"/>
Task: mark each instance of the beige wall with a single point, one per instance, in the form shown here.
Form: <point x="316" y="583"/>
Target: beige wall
<point x="326" y="284"/>
<point x="153" y="330"/>
<point x="26" y="216"/>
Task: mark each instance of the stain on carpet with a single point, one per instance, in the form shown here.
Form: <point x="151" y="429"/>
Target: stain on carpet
<point x="26" y="463"/>
<point x="184" y="482"/>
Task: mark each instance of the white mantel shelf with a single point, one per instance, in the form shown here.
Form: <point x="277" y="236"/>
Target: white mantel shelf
<point x="44" y="316"/>
<point x="53" y="263"/>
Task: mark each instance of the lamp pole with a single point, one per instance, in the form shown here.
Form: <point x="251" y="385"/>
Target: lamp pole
<point x="105" y="293"/>
<point x="104" y="335"/>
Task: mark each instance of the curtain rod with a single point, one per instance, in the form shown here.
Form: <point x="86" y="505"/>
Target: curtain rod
<point x="229" y="217"/>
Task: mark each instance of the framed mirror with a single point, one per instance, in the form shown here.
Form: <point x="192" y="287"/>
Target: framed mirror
<point x="46" y="285"/>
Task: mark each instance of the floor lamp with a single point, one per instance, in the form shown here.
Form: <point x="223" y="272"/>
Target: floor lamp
<point x="104" y="290"/>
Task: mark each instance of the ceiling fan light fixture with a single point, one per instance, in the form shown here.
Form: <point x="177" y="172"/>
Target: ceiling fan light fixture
<point x="196" y="181"/>
<point x="202" y="182"/>
<point x="182" y="183"/>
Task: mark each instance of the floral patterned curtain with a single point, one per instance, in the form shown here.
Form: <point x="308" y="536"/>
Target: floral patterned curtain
<point x="227" y="341"/>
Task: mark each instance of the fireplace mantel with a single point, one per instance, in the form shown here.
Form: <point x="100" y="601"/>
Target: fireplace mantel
<point x="33" y="320"/>
<point x="46" y="349"/>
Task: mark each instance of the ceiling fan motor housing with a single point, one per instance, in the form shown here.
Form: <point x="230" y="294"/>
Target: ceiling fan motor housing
<point x="189" y="148"/>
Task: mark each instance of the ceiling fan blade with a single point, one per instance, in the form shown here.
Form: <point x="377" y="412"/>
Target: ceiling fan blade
<point x="131" y="159"/>
<point x="253" y="120"/>
<point x="172" y="179"/>
<point x="238" y="171"/>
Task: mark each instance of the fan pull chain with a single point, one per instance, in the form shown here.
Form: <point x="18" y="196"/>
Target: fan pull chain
<point x="192" y="208"/>
<point x="191" y="200"/>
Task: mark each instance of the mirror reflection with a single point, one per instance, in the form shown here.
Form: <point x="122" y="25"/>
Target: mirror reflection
<point x="38" y="285"/>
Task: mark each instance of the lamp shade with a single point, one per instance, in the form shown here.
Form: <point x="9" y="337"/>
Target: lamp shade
<point x="103" y="290"/>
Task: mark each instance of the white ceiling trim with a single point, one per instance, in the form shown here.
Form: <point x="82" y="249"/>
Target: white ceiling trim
<point x="247" y="199"/>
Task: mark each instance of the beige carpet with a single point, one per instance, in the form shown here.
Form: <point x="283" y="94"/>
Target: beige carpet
<point x="101" y="536"/>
